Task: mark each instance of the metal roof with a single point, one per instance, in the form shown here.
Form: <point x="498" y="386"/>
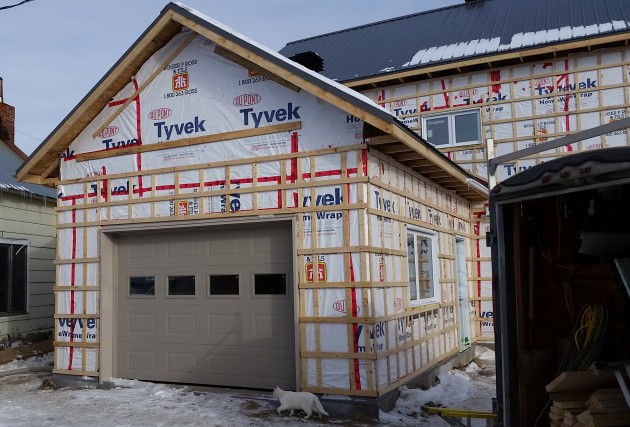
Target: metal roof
<point x="586" y="169"/>
<point x="460" y="32"/>
<point x="9" y="162"/>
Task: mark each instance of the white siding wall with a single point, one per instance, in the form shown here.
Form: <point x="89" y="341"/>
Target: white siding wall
<point x="31" y="219"/>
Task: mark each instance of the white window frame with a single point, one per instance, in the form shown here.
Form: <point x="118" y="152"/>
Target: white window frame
<point x="434" y="268"/>
<point x="450" y="116"/>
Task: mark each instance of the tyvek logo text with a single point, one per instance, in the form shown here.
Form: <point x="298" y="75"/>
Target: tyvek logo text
<point x="270" y="116"/>
<point x="168" y="131"/>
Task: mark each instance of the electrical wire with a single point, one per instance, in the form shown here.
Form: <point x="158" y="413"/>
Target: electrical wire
<point x="14" y="5"/>
<point x="589" y="331"/>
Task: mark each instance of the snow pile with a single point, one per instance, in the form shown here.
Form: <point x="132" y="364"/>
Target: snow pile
<point x="32" y="364"/>
<point x="469" y="388"/>
<point x="30" y="399"/>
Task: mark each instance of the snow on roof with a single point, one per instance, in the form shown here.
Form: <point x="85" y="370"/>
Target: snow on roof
<point x="519" y="40"/>
<point x="467" y="30"/>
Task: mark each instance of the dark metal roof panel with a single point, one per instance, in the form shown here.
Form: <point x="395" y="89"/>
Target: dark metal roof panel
<point x="575" y="170"/>
<point x="465" y="31"/>
<point x="9" y="162"/>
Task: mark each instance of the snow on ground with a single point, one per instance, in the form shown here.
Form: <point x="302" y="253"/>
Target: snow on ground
<point x="28" y="399"/>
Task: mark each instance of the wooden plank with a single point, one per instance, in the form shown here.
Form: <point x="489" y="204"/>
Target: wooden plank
<point x="580" y="381"/>
<point x="146" y="83"/>
<point x="555" y="410"/>
<point x="604" y="393"/>
<point x="187" y="142"/>
<point x="570" y="404"/>
<point x="561" y="396"/>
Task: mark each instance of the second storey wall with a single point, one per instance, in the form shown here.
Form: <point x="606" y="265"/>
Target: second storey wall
<point x="523" y="105"/>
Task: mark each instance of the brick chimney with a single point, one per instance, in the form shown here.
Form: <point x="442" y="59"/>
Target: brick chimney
<point x="7" y="125"/>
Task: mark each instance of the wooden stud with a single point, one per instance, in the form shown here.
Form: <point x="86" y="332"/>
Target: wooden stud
<point x="146" y="83"/>
<point x="187" y="142"/>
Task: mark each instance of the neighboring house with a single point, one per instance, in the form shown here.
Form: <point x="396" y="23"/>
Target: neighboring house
<point x="27" y="246"/>
<point x="506" y="74"/>
<point x="229" y="217"/>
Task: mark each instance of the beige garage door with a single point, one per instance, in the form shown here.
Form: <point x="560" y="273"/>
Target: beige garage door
<point x="210" y="306"/>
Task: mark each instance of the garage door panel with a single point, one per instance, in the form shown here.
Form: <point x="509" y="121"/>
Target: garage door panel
<point x="233" y="337"/>
<point x="182" y="324"/>
<point x="223" y="246"/>
<point x="181" y="363"/>
<point x="141" y="324"/>
<point x="141" y="361"/>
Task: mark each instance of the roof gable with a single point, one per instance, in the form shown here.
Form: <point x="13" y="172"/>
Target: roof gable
<point x="463" y="32"/>
<point x="88" y="116"/>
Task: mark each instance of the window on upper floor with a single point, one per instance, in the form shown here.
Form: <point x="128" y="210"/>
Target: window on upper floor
<point x="452" y="129"/>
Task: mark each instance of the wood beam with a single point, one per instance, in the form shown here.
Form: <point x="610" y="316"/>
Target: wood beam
<point x="379" y="140"/>
<point x="146" y="83"/>
<point x="225" y="136"/>
<point x="50" y="169"/>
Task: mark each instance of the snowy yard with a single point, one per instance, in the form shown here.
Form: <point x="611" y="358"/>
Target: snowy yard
<point x="27" y="401"/>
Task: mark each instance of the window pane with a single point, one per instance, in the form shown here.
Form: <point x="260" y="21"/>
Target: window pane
<point x="467" y="128"/>
<point x="224" y="284"/>
<point x="18" y="279"/>
<point x="181" y="285"/>
<point x="425" y="267"/>
<point x="142" y="285"/>
<point x="5" y="250"/>
<point x="437" y="130"/>
<point x="270" y="284"/>
<point x="411" y="267"/>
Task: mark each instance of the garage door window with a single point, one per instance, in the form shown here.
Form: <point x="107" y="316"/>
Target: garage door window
<point x="142" y="286"/>
<point x="270" y="284"/>
<point x="181" y="285"/>
<point x="224" y="285"/>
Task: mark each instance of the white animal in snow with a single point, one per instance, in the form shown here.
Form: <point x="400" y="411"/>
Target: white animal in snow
<point x="294" y="400"/>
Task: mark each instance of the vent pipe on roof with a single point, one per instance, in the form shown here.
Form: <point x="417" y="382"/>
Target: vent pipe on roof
<point x="310" y="60"/>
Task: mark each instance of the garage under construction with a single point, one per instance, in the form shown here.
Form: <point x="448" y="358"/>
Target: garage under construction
<point x="229" y="217"/>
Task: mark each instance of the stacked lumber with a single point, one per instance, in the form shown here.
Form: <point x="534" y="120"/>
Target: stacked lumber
<point x="584" y="399"/>
<point x="606" y="407"/>
<point x="566" y="406"/>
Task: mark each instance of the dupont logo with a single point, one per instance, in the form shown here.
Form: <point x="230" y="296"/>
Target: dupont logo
<point x="160" y="113"/>
<point x="109" y="131"/>
<point x="340" y="306"/>
<point x="247" y="99"/>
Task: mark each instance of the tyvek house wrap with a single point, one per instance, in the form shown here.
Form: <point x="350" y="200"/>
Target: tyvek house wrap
<point x="201" y="93"/>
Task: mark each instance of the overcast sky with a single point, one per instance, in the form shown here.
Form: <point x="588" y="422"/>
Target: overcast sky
<point x="52" y="52"/>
